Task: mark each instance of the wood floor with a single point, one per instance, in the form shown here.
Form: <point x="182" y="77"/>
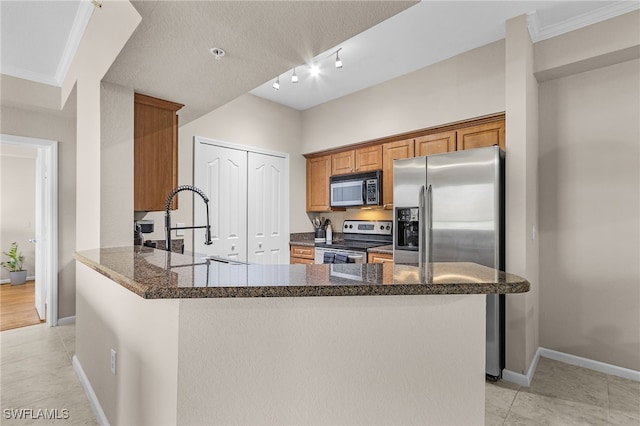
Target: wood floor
<point x="17" y="306"/>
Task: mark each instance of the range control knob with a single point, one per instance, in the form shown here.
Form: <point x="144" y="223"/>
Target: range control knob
<point x="388" y="227"/>
<point x="381" y="227"/>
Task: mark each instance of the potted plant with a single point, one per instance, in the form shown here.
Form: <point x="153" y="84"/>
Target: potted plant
<point x="14" y="265"/>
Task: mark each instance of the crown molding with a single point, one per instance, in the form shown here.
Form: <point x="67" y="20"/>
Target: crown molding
<point x="539" y="33"/>
<point x="83" y="15"/>
<point x="29" y="75"/>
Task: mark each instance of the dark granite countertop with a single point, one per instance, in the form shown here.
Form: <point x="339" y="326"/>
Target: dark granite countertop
<point x="388" y="249"/>
<point x="146" y="272"/>
<point x="305" y="239"/>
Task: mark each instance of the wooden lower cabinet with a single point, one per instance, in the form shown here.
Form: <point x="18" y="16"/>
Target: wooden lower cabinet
<point x="302" y="254"/>
<point x="379" y="258"/>
<point x="482" y="135"/>
<point x="393" y="151"/>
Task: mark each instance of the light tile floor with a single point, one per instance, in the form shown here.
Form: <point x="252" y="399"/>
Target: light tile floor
<point x="563" y="394"/>
<point x="36" y="373"/>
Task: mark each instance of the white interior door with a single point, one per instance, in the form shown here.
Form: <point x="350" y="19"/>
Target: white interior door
<point x="268" y="207"/>
<point x="42" y="232"/>
<point x="221" y="173"/>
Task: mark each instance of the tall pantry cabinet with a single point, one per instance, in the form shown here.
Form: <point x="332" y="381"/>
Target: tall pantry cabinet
<point x="155" y="152"/>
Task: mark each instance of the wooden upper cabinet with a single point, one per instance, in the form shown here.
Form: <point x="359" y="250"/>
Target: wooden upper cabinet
<point x="482" y="135"/>
<point x="369" y="158"/>
<point x="437" y="143"/>
<point x="155" y="152"/>
<point x="393" y="151"/>
<point x="343" y="163"/>
<point x="318" y="173"/>
<point x="357" y="160"/>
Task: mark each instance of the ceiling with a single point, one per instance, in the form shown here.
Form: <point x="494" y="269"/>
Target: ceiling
<point x="168" y="55"/>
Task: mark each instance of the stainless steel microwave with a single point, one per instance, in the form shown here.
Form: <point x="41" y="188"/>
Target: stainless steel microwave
<point x="359" y="189"/>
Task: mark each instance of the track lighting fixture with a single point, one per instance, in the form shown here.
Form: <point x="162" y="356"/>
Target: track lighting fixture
<point x="276" y="84"/>
<point x="338" y="61"/>
<point x="294" y="76"/>
<point x="314" y="70"/>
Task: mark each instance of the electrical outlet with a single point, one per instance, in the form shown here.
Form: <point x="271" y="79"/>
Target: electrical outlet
<point x="113" y="362"/>
<point x="179" y="232"/>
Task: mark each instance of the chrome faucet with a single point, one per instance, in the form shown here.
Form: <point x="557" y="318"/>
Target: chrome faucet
<point x="167" y="216"/>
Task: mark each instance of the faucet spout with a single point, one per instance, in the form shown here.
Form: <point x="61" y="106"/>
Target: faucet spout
<point x="167" y="215"/>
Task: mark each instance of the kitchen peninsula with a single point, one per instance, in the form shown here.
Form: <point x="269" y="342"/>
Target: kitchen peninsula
<point x="201" y="342"/>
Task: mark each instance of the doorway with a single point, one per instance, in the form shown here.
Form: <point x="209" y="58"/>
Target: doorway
<point x="46" y="229"/>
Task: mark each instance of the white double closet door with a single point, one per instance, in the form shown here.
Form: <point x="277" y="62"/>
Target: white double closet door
<point x="248" y="195"/>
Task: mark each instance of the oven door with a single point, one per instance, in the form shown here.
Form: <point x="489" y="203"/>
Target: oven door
<point x="324" y="255"/>
<point x="347" y="193"/>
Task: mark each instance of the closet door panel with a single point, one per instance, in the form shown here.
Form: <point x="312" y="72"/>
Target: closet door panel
<point x="268" y="207"/>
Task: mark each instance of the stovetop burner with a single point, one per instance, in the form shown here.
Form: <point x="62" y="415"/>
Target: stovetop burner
<point x="360" y="235"/>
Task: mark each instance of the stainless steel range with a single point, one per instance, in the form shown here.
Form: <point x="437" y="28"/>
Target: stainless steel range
<point x="359" y="235"/>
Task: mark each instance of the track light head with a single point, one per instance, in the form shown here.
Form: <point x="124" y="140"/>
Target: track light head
<point x="276" y="84"/>
<point x="338" y="61"/>
<point x="294" y="76"/>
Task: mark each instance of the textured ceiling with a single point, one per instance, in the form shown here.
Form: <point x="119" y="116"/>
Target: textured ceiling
<point x="169" y="50"/>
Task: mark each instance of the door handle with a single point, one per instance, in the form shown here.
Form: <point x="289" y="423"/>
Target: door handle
<point x="428" y="224"/>
<point x="421" y="217"/>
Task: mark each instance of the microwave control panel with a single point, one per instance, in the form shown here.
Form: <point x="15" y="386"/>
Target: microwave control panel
<point x="372" y="191"/>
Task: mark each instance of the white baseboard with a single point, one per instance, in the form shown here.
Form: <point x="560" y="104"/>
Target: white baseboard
<point x="519" y="378"/>
<point x="67" y="320"/>
<point x="88" y="390"/>
<point x="602" y="367"/>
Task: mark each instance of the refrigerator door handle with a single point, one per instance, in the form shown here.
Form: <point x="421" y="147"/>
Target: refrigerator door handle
<point x="428" y="224"/>
<point x="421" y="217"/>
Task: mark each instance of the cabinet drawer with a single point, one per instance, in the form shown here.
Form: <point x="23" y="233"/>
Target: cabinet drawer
<point x="303" y="252"/>
<point x="380" y="258"/>
<point x="299" y="260"/>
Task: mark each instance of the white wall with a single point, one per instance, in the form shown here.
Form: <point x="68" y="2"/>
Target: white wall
<point x="18" y="206"/>
<point x="589" y="214"/>
<point x="58" y="127"/>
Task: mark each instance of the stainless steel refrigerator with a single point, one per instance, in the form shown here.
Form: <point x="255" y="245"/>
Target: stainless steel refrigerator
<point x="450" y="208"/>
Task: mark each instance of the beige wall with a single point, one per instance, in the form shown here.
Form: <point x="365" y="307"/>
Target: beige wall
<point x="58" y="127"/>
<point x="589" y="214"/>
<point x="465" y="86"/>
<point x="106" y="34"/>
<point x="144" y="334"/>
<point x="116" y="166"/>
<point x="18" y="206"/>
<point x="521" y="204"/>
<point x="248" y="121"/>
<point x="316" y="360"/>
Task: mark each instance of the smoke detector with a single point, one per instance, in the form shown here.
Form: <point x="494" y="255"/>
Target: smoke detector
<point x="217" y="52"/>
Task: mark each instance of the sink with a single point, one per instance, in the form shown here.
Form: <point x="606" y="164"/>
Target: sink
<point x="224" y="260"/>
